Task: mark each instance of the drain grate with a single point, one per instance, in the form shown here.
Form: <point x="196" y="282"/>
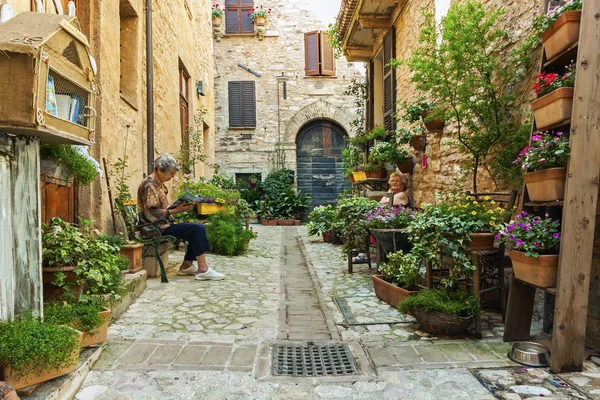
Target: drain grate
<point x="313" y="360"/>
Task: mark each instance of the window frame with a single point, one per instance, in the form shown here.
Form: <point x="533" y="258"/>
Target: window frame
<point x="316" y="45"/>
<point x="246" y="96"/>
<point x="242" y="8"/>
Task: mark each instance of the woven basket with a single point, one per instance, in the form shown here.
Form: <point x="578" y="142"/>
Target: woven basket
<point x="392" y="240"/>
<point x="439" y="323"/>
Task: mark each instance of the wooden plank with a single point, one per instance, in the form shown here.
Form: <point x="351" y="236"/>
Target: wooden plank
<point x="519" y="311"/>
<point x="581" y="195"/>
<point x="7" y="278"/>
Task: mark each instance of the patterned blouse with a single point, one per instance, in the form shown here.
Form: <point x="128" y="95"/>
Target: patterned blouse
<point x="152" y="202"/>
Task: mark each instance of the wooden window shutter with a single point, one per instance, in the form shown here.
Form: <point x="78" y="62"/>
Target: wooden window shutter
<point x="248" y="104"/>
<point x="370" y="100"/>
<point x="237" y="19"/>
<point x="232" y="20"/>
<point x="311" y="53"/>
<point x="235" y="104"/>
<point x="247" y="24"/>
<point x="326" y="56"/>
<point x="389" y="81"/>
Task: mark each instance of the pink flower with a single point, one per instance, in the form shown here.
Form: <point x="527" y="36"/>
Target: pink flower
<point x="536" y="137"/>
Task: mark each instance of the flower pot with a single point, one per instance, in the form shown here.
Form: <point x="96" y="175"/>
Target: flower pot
<point x="481" y="241"/>
<point x="388" y="293"/>
<point x="269" y="222"/>
<point x="297" y="222"/>
<point x="18" y="382"/>
<point x="217" y="31"/>
<point x="351" y="177"/>
<point x="540" y="271"/>
<point x="102" y="330"/>
<point x="286" y="222"/>
<point x="208" y="209"/>
<point x="407" y="166"/>
<point x="418" y="142"/>
<point x="259" y="27"/>
<point x="553" y="108"/>
<point x="253" y="181"/>
<point x="336" y="238"/>
<point x="546" y="185"/>
<point x="328" y="237"/>
<point x="359" y="176"/>
<point x="434" y="125"/>
<point x="53" y="292"/>
<point x="260" y="21"/>
<point x="562" y="34"/>
<point x="439" y="323"/>
<point x="134" y="253"/>
<point x="392" y="240"/>
<point x="380" y="173"/>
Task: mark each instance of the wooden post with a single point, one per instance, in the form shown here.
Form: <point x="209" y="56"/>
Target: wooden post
<point x="581" y="194"/>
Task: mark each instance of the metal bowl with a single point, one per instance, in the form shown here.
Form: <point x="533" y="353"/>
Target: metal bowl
<point x="530" y="353"/>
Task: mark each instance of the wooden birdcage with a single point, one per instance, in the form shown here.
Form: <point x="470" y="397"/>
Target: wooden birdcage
<point x="47" y="84"/>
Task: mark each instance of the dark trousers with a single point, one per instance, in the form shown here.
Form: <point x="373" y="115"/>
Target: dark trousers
<point x="194" y="234"/>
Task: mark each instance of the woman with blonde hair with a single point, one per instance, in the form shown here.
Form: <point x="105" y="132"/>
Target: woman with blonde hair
<point x="398" y="182"/>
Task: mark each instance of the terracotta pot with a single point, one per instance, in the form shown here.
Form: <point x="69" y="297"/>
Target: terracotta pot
<point x="391" y="294"/>
<point x="19" y="382"/>
<point x="297" y="222"/>
<point x="286" y="222"/>
<point x="134" y="253"/>
<point x="328" y="237"/>
<point x="434" y="125"/>
<point x="546" y="185"/>
<point x="562" y="34"/>
<point x="53" y="292"/>
<point x="217" y="21"/>
<point x="553" y="108"/>
<point x="418" y="142"/>
<point x="381" y="173"/>
<point x="269" y="222"/>
<point x="481" y="241"/>
<point x="351" y="177"/>
<point x="407" y="166"/>
<point x="260" y="21"/>
<point x="102" y="330"/>
<point x="541" y="271"/>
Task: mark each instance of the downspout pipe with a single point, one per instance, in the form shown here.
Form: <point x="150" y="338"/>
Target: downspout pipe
<point x="149" y="89"/>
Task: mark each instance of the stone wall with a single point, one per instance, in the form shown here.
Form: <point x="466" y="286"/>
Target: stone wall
<point x="443" y="161"/>
<point x="308" y="98"/>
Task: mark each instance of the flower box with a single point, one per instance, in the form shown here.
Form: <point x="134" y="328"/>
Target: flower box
<point x="388" y="293"/>
<point x="53" y="292"/>
<point x="359" y="176"/>
<point x="286" y="222"/>
<point x="553" y="108"/>
<point x="380" y="173"/>
<point x="562" y="34"/>
<point x="134" y="253"/>
<point x="269" y="222"/>
<point x="481" y="241"/>
<point x="102" y="331"/>
<point x="208" y="209"/>
<point x="540" y="271"/>
<point x="546" y="185"/>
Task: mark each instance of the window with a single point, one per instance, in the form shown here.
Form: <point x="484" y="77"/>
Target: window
<point x="242" y="105"/>
<point x="318" y="55"/>
<point x="389" y="81"/>
<point x="129" y="58"/>
<point x="184" y="112"/>
<point x="237" y="18"/>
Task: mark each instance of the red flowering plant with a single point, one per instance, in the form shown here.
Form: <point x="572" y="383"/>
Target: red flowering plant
<point x="259" y="12"/>
<point x="217" y="11"/>
<point x="549" y="81"/>
<point x="531" y="234"/>
<point x="547" y="150"/>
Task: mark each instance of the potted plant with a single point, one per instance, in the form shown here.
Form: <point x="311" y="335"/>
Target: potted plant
<point x="351" y="156"/>
<point x="535" y="243"/>
<point x="267" y="212"/>
<point x="227" y="235"/>
<point x="32" y="351"/>
<point x="387" y="225"/>
<point x="400" y="277"/>
<point x="76" y="158"/>
<point x="387" y="153"/>
<point x="350" y="217"/>
<point x="442" y="312"/>
<point x="545" y="159"/>
<point x="218" y="193"/>
<point x="555" y="97"/>
<point x="90" y="317"/>
<point x="559" y="27"/>
<point x="321" y="220"/>
<point x="217" y="19"/>
<point x="259" y="18"/>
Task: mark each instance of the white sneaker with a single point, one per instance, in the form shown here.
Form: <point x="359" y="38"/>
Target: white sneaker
<point x="210" y="275"/>
<point x="191" y="270"/>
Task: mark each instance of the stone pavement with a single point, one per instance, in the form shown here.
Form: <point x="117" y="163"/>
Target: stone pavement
<point x="213" y="340"/>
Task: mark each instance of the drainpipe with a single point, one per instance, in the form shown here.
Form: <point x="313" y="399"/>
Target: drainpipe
<point x="149" y="89"/>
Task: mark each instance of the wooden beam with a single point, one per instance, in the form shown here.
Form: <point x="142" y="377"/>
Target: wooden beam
<point x="363" y="54"/>
<point x="375" y="21"/>
<point x="581" y="196"/>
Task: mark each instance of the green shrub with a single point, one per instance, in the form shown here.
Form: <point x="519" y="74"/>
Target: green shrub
<point x="81" y="315"/>
<point x="451" y="302"/>
<point x="30" y="346"/>
<point x="227" y="236"/>
<point x="79" y="165"/>
<point x="276" y="184"/>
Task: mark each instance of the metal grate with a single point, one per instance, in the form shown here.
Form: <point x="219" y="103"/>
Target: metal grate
<point x="313" y="360"/>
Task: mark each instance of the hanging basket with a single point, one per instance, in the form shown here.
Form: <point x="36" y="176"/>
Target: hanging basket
<point x="553" y="108"/>
<point x="562" y="34"/>
<point x="407" y="166"/>
<point x="546" y="185"/>
<point x="540" y="271"/>
<point x="433" y="125"/>
<point x="418" y="142"/>
<point x="439" y="323"/>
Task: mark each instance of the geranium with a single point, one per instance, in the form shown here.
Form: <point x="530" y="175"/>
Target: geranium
<point x="531" y="234"/>
<point x="384" y="217"/>
<point x="217" y="11"/>
<point x="543" y="21"/>
<point x="259" y="12"/>
<point x="549" y="82"/>
<point x="547" y="150"/>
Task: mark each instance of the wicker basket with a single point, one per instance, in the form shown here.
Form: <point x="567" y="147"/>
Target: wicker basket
<point x="439" y="323"/>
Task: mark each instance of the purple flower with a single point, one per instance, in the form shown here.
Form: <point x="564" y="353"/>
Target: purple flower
<point x="536" y="137"/>
<point x="536" y="244"/>
<point x="511" y="227"/>
<point x="497" y="237"/>
<point x="524" y="213"/>
<point x="542" y="159"/>
<point x="556" y="235"/>
<point x="512" y="237"/>
<point x="527" y="227"/>
<point x="536" y="221"/>
<point x="519" y="243"/>
<point x="548" y="144"/>
<point x="559" y="133"/>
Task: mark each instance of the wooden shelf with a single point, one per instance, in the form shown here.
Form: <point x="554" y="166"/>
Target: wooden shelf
<point x="558" y="203"/>
<point x="564" y="123"/>
<point x="564" y="57"/>
<point x="551" y="290"/>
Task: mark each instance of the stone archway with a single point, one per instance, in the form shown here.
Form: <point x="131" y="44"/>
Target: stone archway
<point x="319" y="110"/>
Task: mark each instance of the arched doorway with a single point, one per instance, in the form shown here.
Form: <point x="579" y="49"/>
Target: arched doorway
<point x="319" y="146"/>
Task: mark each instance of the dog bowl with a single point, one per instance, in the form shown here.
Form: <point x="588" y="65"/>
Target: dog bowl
<point x="530" y="353"/>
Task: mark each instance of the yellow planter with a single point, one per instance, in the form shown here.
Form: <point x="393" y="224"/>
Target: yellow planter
<point x="359" y="176"/>
<point x="207" y="209"/>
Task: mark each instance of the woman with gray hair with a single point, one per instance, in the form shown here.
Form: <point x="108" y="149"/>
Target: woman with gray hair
<point x="152" y="207"/>
<point x="398" y="182"/>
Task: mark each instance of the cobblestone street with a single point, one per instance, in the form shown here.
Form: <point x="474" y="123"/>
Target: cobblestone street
<point x="214" y="339"/>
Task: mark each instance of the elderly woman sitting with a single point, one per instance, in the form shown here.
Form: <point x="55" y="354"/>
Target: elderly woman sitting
<point x="152" y="207"/>
<point x="398" y="182"/>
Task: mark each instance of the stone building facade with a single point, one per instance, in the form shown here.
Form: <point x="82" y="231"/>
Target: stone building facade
<point x="311" y="102"/>
<point x="182" y="50"/>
